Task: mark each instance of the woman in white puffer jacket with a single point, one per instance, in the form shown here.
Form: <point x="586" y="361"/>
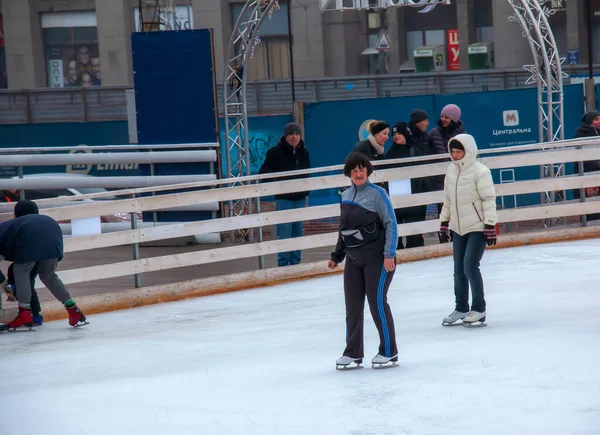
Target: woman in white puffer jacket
<point x="470" y="210"/>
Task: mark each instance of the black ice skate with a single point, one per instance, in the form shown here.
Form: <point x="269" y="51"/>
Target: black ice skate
<point x="384" y="362"/>
<point x="348" y="363"/>
<point x="453" y="318"/>
<point x="474" y="319"/>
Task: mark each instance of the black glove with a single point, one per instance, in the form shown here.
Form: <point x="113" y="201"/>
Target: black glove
<point x="444" y="233"/>
<point x="489" y="233"/>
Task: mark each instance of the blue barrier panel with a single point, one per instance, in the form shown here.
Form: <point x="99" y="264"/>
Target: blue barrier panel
<point x="75" y="134"/>
<point x="175" y="98"/>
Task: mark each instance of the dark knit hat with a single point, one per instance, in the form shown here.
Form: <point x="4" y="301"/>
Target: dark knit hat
<point x="378" y="127"/>
<point x="589" y="117"/>
<point x="25" y="207"/>
<point x="456" y="145"/>
<point x="402" y="128"/>
<point x="418" y="115"/>
<point x="290" y="128"/>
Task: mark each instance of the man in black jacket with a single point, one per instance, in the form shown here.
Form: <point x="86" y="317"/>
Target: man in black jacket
<point x="404" y="147"/>
<point x="290" y="154"/>
<point x="32" y="241"/>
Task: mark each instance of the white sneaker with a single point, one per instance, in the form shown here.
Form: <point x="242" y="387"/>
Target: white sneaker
<point x="380" y="359"/>
<point x="474" y="316"/>
<point x="455" y="316"/>
<point x="347" y="360"/>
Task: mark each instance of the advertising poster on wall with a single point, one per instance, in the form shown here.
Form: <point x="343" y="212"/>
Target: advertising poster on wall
<point x="181" y="19"/>
<point x="71" y="49"/>
<point x="453" y="50"/>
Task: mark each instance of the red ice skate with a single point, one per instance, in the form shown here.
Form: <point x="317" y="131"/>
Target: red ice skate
<point x="23" y="319"/>
<point x="76" y="317"/>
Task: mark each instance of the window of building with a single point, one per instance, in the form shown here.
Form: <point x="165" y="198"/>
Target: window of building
<point x="71" y="49"/>
<point x="3" y="77"/>
<point x="271" y="57"/>
<point x="419" y="38"/>
<point x="484" y="34"/>
<point x="181" y="19"/>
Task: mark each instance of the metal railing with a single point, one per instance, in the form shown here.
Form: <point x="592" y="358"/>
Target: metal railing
<point x="108" y="103"/>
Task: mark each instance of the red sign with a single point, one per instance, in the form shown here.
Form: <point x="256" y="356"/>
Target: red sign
<point x="452" y="44"/>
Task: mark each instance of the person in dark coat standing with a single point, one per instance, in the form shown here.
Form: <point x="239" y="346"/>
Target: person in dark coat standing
<point x="374" y="145"/>
<point x="367" y="239"/>
<point x="290" y="154"/>
<point x="402" y="148"/>
<point x="448" y="126"/>
<point x="590" y="127"/>
<point x="32" y="241"/>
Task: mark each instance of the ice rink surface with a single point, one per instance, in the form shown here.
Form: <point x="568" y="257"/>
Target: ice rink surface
<point x="262" y="362"/>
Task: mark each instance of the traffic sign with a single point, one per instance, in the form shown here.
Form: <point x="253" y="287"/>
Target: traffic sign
<point x="383" y="42"/>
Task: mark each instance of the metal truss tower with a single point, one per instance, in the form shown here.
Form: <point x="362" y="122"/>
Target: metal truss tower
<point x="547" y="73"/>
<point x="244" y="39"/>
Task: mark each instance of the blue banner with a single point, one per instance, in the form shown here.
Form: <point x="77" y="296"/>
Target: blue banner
<point x="175" y="98"/>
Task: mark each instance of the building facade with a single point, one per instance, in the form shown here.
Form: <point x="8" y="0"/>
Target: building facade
<point x="62" y="43"/>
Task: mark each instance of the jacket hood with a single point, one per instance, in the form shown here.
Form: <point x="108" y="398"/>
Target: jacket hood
<point x="470" y="146"/>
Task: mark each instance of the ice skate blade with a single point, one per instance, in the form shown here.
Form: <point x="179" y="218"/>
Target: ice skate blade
<point x="387" y="365"/>
<point x="80" y="324"/>
<point x="342" y="367"/>
<point x="457" y="323"/>
<point x="474" y="324"/>
<point x="21" y="329"/>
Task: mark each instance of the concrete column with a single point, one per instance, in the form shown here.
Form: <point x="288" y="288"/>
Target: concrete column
<point x="577" y="29"/>
<point x="345" y="39"/>
<point x="465" y="18"/>
<point x="307" y="34"/>
<point x="216" y="15"/>
<point x="115" y="24"/>
<point x="25" y="60"/>
<point x="397" y="39"/>
<point x="511" y="49"/>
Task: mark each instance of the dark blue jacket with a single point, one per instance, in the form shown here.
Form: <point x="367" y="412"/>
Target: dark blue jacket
<point x="31" y="238"/>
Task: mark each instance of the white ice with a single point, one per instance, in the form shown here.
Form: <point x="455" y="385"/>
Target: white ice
<point x="262" y="361"/>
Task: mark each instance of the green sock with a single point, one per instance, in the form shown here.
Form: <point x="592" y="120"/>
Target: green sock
<point x="69" y="303"/>
<point x="25" y="306"/>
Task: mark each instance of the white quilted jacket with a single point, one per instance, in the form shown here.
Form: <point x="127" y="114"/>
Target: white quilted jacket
<point x="469" y="195"/>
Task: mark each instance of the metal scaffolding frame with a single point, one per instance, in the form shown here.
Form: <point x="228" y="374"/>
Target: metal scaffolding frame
<point x="242" y="43"/>
<point x="547" y="73"/>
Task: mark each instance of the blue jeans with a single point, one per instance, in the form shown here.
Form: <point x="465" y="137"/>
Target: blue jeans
<point x="285" y="231"/>
<point x="468" y="251"/>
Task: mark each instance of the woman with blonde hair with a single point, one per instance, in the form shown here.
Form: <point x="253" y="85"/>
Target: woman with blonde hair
<point x="373" y="145"/>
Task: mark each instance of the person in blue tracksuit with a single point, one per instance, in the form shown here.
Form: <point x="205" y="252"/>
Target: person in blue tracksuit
<point x="368" y="237"/>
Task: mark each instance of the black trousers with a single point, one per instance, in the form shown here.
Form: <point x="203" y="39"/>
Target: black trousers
<point x="407" y="216"/>
<point x="370" y="280"/>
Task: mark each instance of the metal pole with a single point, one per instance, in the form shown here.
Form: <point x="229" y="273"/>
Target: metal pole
<point x="590" y="39"/>
<point x="136" y="250"/>
<point x="261" y="259"/>
<point x="291" y="48"/>
<point x="152" y="173"/>
<point x="21" y="191"/>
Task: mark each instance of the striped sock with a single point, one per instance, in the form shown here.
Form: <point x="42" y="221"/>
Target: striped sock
<point x="69" y="303"/>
